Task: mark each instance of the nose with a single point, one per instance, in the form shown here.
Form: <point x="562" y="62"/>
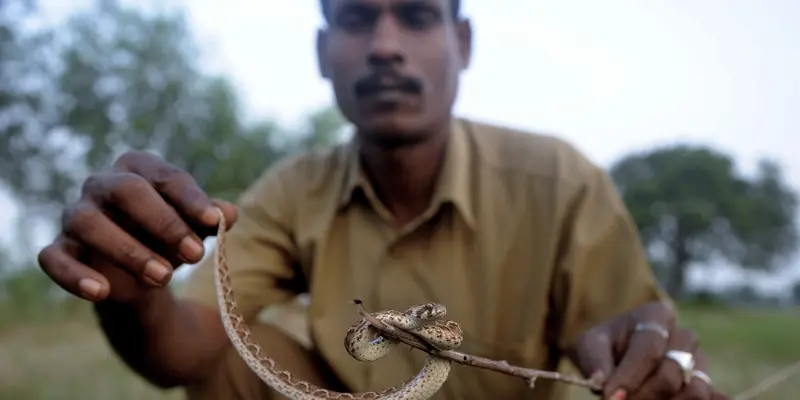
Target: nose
<point x="385" y="48"/>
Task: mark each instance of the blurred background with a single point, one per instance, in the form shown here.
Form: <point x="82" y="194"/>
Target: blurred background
<point x="693" y="107"/>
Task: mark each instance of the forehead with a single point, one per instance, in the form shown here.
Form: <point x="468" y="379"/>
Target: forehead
<point x="338" y="4"/>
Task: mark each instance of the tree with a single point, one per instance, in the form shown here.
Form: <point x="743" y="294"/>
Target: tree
<point x="796" y="292"/>
<point x="23" y="86"/>
<point x="112" y="78"/>
<point x="118" y="78"/>
<point x="690" y="203"/>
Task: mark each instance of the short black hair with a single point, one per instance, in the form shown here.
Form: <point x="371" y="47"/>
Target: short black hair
<point x="455" y="8"/>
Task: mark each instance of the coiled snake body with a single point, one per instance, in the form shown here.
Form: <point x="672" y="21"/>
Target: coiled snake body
<point x="362" y="342"/>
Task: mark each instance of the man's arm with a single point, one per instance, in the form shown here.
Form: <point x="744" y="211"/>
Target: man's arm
<point x="176" y="341"/>
<point x="604" y="290"/>
<point x="169" y="342"/>
<point x="602" y="269"/>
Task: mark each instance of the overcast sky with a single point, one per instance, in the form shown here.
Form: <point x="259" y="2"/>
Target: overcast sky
<point x="610" y="76"/>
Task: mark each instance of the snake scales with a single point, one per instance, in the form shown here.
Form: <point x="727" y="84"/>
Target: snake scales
<point x="362" y="342"/>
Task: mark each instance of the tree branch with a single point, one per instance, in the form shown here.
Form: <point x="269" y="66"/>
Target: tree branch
<point x="529" y="375"/>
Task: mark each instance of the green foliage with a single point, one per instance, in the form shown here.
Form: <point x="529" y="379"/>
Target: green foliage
<point x="25" y="295"/>
<point x="118" y="78"/>
<point x="23" y="90"/>
<point x="28" y="295"/>
<point x="112" y="78"/>
<point x="691" y="202"/>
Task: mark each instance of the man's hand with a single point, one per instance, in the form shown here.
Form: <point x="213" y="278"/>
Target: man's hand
<point x="130" y="228"/>
<point x="631" y="355"/>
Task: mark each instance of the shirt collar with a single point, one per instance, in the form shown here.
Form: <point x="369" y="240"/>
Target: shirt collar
<point x="455" y="182"/>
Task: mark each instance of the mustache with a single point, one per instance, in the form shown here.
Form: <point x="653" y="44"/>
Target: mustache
<point x="384" y="80"/>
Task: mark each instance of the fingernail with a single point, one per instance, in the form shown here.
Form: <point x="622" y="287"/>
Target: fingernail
<point x="210" y="217"/>
<point x="156" y="272"/>
<point x="619" y="395"/>
<point x="191" y="249"/>
<point x="90" y="288"/>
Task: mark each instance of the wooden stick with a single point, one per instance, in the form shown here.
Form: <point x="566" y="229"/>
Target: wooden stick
<point x="529" y="375"/>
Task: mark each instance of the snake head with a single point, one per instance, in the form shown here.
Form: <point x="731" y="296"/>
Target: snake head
<point x="427" y="311"/>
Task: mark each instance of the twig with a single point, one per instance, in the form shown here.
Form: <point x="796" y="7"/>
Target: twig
<point x="529" y="375"/>
<point x="769" y="382"/>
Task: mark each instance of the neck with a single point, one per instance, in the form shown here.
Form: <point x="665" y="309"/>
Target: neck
<point x="405" y="177"/>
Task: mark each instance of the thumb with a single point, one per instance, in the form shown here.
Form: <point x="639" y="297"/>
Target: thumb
<point x="228" y="209"/>
<point x="211" y="218"/>
<point x="593" y="355"/>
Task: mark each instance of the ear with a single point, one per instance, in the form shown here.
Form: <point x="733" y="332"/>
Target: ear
<point x="322" y="53"/>
<point x="464" y="33"/>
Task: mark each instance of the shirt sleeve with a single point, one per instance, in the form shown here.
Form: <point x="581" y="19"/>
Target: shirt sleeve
<point x="602" y="269"/>
<point x="260" y="248"/>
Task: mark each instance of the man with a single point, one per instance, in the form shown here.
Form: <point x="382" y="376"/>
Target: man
<point x="525" y="241"/>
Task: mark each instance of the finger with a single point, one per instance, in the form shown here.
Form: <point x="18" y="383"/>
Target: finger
<point x="178" y="187"/>
<point x="88" y="225"/>
<point x="230" y="212"/>
<point x="156" y="244"/>
<point x="644" y="351"/>
<point x="668" y="379"/>
<point x="59" y="261"/>
<point x="593" y="355"/>
<point x="695" y="390"/>
<point x="698" y="389"/>
<point x="137" y="201"/>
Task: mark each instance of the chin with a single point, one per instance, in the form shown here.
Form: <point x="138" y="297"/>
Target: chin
<point x="393" y="130"/>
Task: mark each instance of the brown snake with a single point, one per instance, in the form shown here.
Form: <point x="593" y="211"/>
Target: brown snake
<point x="362" y="342"/>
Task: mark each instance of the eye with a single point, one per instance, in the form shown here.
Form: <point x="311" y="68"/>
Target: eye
<point x="418" y="16"/>
<point x="356" y="18"/>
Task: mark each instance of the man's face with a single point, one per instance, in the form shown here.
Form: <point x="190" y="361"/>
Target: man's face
<point x="394" y="64"/>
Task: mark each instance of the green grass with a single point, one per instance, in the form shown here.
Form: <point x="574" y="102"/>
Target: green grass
<point x="67" y="358"/>
<point x="746" y="346"/>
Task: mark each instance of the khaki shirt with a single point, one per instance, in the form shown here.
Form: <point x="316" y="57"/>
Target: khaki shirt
<point x="526" y="243"/>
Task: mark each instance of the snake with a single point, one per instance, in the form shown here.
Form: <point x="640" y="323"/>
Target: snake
<point x="362" y="341"/>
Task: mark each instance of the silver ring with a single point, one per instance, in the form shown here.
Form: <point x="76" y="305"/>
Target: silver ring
<point x="685" y="361"/>
<point x="653" y="327"/>
<point x="702" y="376"/>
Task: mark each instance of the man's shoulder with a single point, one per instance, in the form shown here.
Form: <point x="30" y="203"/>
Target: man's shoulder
<point x="528" y="152"/>
<point x="315" y="165"/>
<point x="313" y="171"/>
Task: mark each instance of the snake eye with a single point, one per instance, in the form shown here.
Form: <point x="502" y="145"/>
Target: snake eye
<point x="437" y="310"/>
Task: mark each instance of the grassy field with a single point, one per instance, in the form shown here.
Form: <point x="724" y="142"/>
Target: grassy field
<point x="66" y="358"/>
